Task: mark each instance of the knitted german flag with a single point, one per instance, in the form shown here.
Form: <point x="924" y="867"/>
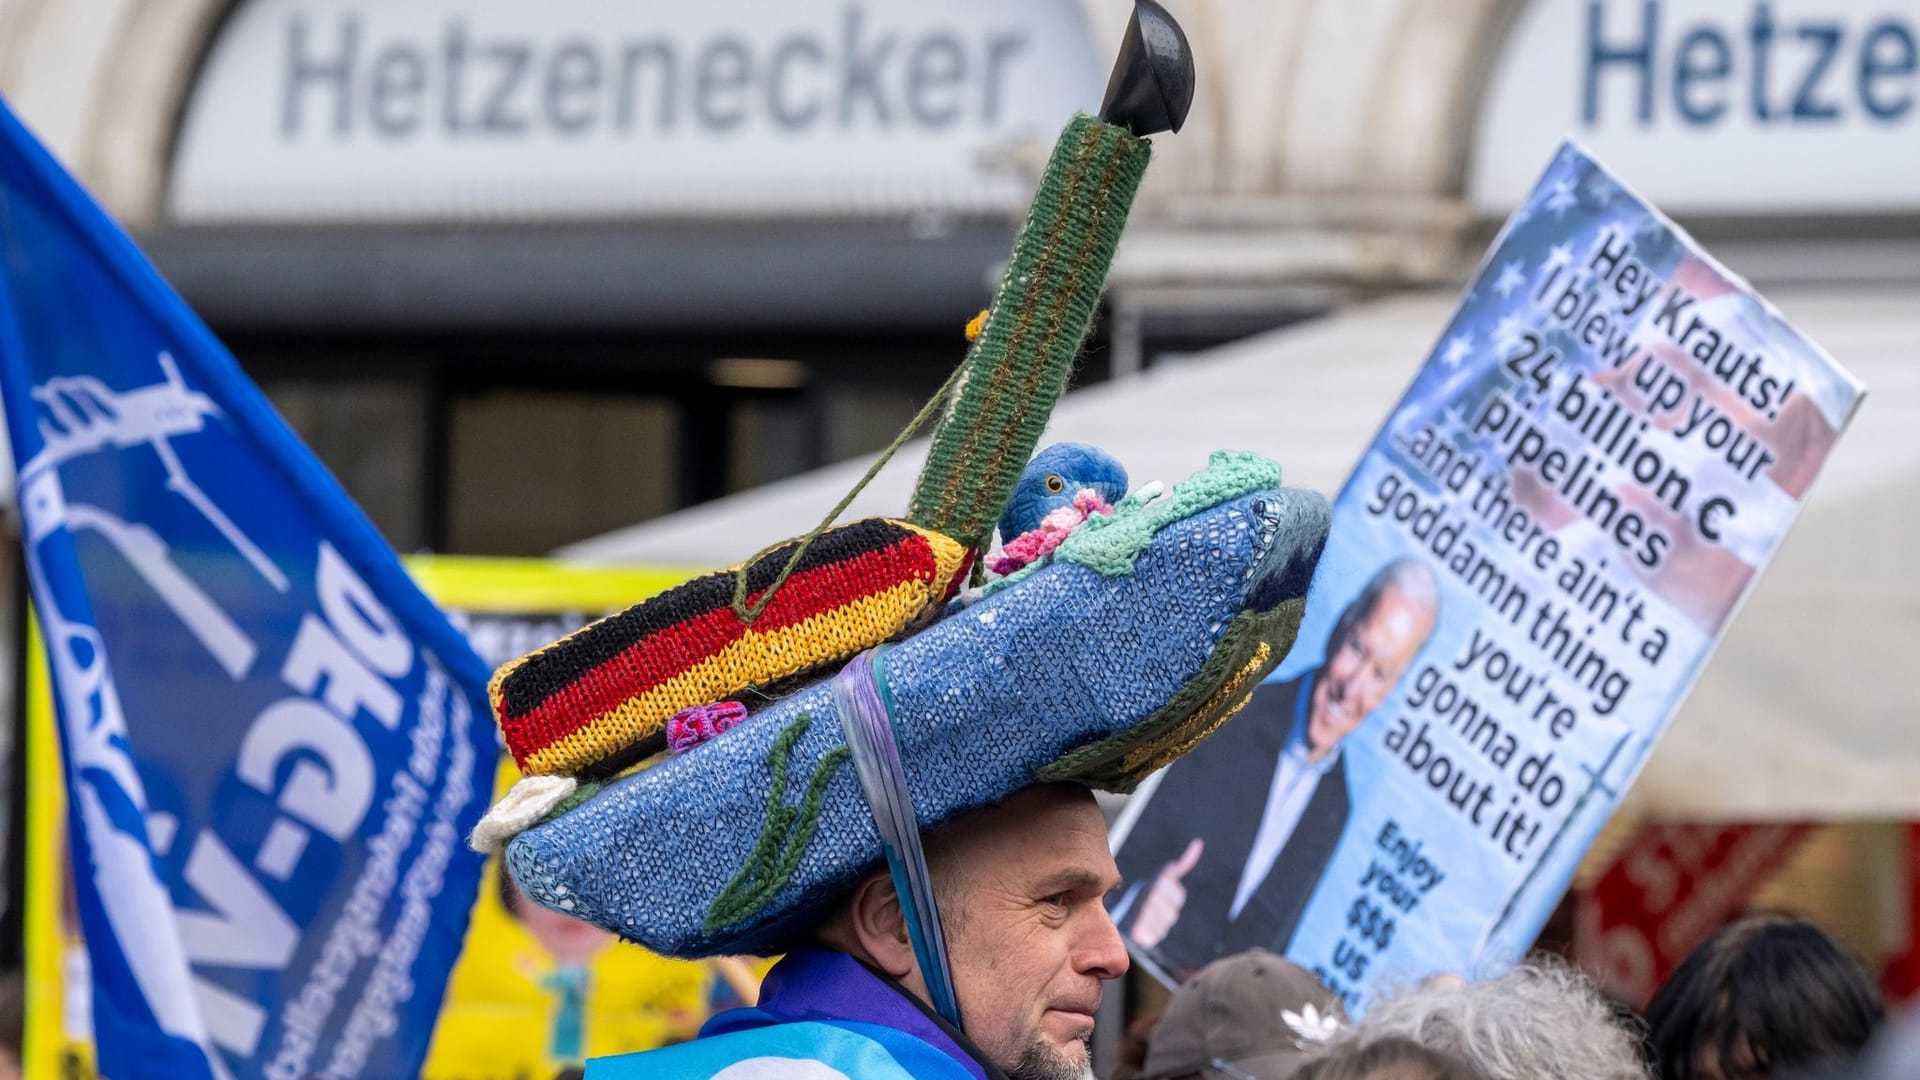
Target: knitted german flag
<point x="599" y="699"/>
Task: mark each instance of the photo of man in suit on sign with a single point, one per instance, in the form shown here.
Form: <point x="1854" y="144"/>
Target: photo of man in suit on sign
<point x="1231" y="844"/>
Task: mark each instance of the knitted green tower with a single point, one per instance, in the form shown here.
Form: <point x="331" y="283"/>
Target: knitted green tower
<point x="1017" y="368"/>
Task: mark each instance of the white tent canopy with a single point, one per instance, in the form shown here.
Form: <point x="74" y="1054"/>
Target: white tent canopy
<point x="1804" y="712"/>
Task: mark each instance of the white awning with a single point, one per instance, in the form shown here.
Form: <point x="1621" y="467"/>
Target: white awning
<point x="1806" y="710"/>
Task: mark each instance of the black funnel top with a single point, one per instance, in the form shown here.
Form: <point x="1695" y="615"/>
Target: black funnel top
<point x="1152" y="82"/>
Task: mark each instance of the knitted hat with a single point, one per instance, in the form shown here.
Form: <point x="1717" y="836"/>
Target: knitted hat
<point x="1115" y="648"/>
<point x="1255" y="1012"/>
<point x="1124" y="650"/>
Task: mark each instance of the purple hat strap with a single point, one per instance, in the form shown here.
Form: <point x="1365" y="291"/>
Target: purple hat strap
<point x="861" y="698"/>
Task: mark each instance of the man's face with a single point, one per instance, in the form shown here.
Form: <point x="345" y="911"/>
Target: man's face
<point x="1361" y="670"/>
<point x="1028" y="937"/>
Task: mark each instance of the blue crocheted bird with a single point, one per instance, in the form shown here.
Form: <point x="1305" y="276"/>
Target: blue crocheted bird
<point x="1051" y="480"/>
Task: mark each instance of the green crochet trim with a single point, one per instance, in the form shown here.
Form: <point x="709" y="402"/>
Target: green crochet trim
<point x="1018" y="366"/>
<point x="1110" y="544"/>
<point x="1101" y="764"/>
<point x="783" y="837"/>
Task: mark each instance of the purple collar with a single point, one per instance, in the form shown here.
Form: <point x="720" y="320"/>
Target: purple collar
<point x="818" y="984"/>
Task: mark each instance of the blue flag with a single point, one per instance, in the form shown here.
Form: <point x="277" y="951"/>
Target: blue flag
<point x="275" y="746"/>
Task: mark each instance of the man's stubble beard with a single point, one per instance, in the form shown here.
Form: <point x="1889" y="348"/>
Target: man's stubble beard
<point x="1041" y="1061"/>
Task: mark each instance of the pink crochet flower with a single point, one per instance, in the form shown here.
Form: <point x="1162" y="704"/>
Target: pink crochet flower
<point x="696" y="724"/>
<point x="1032" y="546"/>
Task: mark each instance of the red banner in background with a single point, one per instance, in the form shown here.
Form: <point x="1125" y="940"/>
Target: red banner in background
<point x="1900" y="978"/>
<point x="1671" y="887"/>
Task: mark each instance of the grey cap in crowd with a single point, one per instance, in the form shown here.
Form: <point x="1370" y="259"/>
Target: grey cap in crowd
<point x="1249" y="1016"/>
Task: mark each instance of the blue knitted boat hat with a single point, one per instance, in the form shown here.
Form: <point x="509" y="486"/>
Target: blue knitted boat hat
<point x="1141" y="634"/>
<point x="1120" y="636"/>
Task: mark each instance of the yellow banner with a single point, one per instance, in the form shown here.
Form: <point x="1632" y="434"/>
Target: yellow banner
<point x="57" y="1040"/>
<point x="533" y="993"/>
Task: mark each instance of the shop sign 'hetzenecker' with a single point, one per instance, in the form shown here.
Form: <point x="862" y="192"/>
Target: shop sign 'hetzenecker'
<point x="1713" y="106"/>
<point x="329" y="110"/>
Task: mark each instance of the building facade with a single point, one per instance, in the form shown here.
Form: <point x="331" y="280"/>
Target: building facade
<point x="525" y="273"/>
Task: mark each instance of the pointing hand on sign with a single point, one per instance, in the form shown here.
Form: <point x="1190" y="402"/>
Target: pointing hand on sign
<point x="1165" y="898"/>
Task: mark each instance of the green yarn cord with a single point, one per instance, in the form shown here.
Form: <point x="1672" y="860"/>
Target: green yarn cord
<point x="749" y="612"/>
<point x="783" y="836"/>
<point x="1040" y="315"/>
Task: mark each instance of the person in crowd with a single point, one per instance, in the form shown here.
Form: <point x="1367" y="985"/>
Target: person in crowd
<point x="1227" y="853"/>
<point x="1765" y="995"/>
<point x="1540" y="1020"/>
<point x="765" y="838"/>
<point x="1019" y="885"/>
<point x="1894" y="1054"/>
<point x="1393" y="1057"/>
<point x="804" y="721"/>
<point x="1249" y="1016"/>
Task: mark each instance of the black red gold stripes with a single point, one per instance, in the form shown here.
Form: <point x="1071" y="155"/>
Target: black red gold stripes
<point x="603" y="694"/>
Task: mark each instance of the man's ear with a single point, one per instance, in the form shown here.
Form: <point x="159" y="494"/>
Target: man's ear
<point x="880" y="927"/>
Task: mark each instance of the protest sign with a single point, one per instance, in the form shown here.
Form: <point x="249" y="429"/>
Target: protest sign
<point x="274" y="745"/>
<point x="1527" y="570"/>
